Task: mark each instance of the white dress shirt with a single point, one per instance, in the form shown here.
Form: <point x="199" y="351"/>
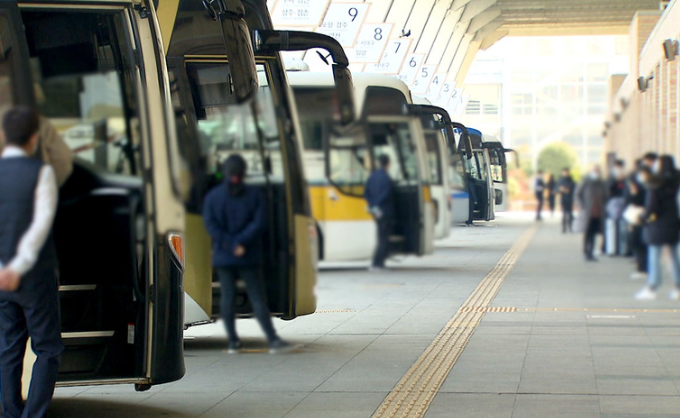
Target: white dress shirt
<point x="44" y="210"/>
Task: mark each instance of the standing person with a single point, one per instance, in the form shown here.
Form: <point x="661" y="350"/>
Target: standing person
<point x="53" y="151"/>
<point x="636" y="196"/>
<point x="234" y="215"/>
<point x="662" y="226"/>
<point x="29" y="300"/>
<point x="551" y="186"/>
<point x="649" y="159"/>
<point x="566" y="187"/>
<point x="616" y="203"/>
<point x="379" y="194"/>
<point x="539" y="189"/>
<point x="591" y="196"/>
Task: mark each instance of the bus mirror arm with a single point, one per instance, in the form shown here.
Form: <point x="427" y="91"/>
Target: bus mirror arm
<point x="236" y="36"/>
<point x="464" y="138"/>
<point x="506" y="150"/>
<point x="272" y="41"/>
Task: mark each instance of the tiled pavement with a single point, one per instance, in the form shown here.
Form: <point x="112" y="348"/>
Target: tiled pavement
<point x="565" y="352"/>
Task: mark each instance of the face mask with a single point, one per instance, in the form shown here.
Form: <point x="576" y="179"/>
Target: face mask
<point x="656" y="167"/>
<point x="640" y="178"/>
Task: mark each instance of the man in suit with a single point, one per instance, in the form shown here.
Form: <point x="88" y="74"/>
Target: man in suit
<point x="29" y="300"/>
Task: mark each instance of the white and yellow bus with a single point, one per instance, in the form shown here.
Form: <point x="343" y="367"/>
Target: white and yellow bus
<point x="338" y="162"/>
<point x="230" y="95"/>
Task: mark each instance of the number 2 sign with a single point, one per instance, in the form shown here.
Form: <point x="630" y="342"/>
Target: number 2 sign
<point x="343" y="21"/>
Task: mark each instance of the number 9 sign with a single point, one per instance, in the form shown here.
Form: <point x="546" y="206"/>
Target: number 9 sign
<point x="343" y="22"/>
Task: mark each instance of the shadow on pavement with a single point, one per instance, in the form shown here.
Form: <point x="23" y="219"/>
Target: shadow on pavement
<point x="101" y="408"/>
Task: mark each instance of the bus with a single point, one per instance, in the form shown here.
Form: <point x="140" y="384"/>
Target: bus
<point x="481" y="185"/>
<point x="339" y="160"/>
<point x="230" y="95"/>
<point x="96" y="72"/>
<point x="472" y="188"/>
<point x="499" y="169"/>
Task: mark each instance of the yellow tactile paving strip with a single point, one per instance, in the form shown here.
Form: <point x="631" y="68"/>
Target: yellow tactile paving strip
<point x="414" y="393"/>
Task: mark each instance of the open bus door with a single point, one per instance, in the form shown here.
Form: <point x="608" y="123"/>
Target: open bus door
<point x="483" y="192"/>
<point x="215" y="122"/>
<point x="350" y="157"/>
<point x="499" y="171"/>
<point x="93" y="73"/>
<point x="461" y="173"/>
<point x="436" y="126"/>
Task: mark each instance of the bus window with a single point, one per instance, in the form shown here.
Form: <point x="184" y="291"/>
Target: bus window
<point x="225" y="127"/>
<point x="317" y="113"/>
<point x="496" y="165"/>
<point x="88" y="100"/>
<point x="394" y="140"/>
<point x="434" y="169"/>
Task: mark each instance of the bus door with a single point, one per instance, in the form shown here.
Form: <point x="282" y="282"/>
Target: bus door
<point x="347" y="230"/>
<point x="437" y="162"/>
<point x="460" y="174"/>
<point x="93" y="73"/>
<point x="401" y="138"/>
<point x="481" y="185"/>
<point x="499" y="174"/>
<point x="223" y="127"/>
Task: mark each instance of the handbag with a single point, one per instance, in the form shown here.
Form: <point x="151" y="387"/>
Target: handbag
<point x="633" y="213"/>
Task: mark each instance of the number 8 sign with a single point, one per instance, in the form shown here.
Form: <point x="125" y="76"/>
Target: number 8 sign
<point x="370" y="44"/>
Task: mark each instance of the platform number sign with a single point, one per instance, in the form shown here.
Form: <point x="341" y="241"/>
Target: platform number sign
<point x="298" y="12"/>
<point x="436" y="86"/>
<point x="447" y="91"/>
<point x="392" y="58"/>
<point x="370" y="44"/>
<point x="423" y="79"/>
<point x="410" y="69"/>
<point x="343" y="22"/>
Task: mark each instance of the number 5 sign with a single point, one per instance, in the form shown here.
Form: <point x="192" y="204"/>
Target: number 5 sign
<point x="423" y="79"/>
<point x="343" y="21"/>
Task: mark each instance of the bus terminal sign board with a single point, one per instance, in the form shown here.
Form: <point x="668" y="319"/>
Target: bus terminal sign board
<point x="393" y="58"/>
<point x="370" y="44"/>
<point x="343" y="21"/>
<point x="299" y="12"/>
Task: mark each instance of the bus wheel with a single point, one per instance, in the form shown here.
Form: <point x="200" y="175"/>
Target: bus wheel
<point x="142" y="387"/>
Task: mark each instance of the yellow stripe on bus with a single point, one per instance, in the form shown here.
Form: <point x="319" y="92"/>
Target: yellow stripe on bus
<point x="328" y="204"/>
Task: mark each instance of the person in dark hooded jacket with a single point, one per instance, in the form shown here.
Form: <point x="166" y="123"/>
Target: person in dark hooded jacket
<point x="234" y="216"/>
<point x="379" y="193"/>
<point x="662" y="226"/>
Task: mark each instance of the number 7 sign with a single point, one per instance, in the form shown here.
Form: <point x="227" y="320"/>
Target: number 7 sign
<point x="392" y="59"/>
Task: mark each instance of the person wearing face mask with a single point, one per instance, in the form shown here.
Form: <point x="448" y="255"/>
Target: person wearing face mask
<point x="662" y="226"/>
<point x="616" y="228"/>
<point x="566" y="187"/>
<point x="591" y="196"/>
<point x="29" y="299"/>
<point x="636" y="196"/>
<point x="234" y="216"/>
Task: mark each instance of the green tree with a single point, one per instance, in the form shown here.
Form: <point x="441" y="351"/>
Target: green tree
<point x="556" y="156"/>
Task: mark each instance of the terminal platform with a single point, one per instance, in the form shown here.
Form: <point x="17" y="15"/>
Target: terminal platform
<point x="505" y="320"/>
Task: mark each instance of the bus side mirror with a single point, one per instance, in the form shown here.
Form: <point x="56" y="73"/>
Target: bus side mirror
<point x="271" y="41"/>
<point x="238" y="44"/>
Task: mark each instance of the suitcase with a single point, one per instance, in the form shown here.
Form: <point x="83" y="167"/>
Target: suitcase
<point x="611" y="236"/>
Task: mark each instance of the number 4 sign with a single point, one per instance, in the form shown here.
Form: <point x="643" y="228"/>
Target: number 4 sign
<point x="436" y="86"/>
<point x="423" y="79"/>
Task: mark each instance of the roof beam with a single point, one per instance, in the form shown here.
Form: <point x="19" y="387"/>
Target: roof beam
<point x="484" y="18"/>
<point x="475" y="7"/>
<point x="445" y="36"/>
<point x="466" y="62"/>
<point x="492" y="38"/>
